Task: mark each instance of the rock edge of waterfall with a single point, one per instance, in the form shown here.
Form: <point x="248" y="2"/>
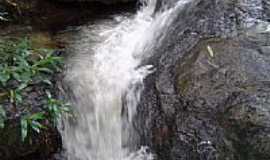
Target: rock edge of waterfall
<point x="209" y="98"/>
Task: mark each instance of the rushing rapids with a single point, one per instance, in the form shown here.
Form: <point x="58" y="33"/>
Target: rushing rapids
<point x="105" y="75"/>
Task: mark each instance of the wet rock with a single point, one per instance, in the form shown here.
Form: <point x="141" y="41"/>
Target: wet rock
<point x="56" y="15"/>
<point x="266" y="6"/>
<point x="37" y="146"/>
<point x="210" y="95"/>
<point x="102" y="1"/>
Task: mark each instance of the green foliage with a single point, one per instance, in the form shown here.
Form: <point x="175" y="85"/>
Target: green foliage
<point x="22" y="67"/>
<point x="32" y="122"/>
<point x="56" y="108"/>
<point x="2" y="117"/>
<point x="3" y="16"/>
<point x="19" y="62"/>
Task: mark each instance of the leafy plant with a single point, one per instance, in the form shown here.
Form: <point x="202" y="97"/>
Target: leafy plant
<point x="32" y="122"/>
<point x="47" y="64"/>
<point x="4" y="74"/>
<point x="56" y="108"/>
<point x="23" y="67"/>
<point x="16" y="96"/>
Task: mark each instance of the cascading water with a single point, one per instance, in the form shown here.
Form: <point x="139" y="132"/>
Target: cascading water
<point x="104" y="69"/>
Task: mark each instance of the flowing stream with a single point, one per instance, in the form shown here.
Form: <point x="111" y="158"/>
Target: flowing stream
<point x="104" y="69"/>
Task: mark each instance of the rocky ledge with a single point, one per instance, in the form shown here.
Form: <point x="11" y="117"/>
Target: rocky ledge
<point x="209" y="98"/>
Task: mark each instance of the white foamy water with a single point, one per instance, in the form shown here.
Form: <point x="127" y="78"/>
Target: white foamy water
<point x="104" y="68"/>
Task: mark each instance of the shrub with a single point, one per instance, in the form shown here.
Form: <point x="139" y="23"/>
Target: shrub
<point x="24" y="71"/>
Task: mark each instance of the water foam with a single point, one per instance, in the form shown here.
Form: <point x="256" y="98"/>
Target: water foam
<point x="103" y="70"/>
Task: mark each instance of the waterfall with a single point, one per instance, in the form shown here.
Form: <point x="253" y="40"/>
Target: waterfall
<point x="104" y="69"/>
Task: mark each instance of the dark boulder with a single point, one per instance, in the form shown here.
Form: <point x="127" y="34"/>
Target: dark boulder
<point x="57" y="14"/>
<point x="209" y="98"/>
<point x="37" y="146"/>
<point x="102" y="1"/>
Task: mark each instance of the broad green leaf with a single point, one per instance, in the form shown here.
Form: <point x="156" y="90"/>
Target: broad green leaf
<point x="49" y="95"/>
<point x="2" y="123"/>
<point x="24" y="128"/>
<point x="2" y="117"/>
<point x="16" y="76"/>
<point x="26" y="76"/>
<point x="4" y="77"/>
<point x="3" y="18"/>
<point x="65" y="108"/>
<point x="22" y="86"/>
<point x="36" y="126"/>
<point x="47" y="82"/>
<point x="47" y="70"/>
<point x="12" y="96"/>
<point x="37" y="116"/>
<point x="18" y="97"/>
<point x="22" y="62"/>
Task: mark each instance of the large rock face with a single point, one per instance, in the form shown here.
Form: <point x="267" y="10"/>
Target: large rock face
<point x="210" y="96"/>
<point x="57" y="14"/>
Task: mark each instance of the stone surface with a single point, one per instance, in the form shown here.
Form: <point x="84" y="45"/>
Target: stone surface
<point x="209" y="98"/>
<point x="56" y="14"/>
<point x="38" y="146"/>
<point x="102" y="1"/>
